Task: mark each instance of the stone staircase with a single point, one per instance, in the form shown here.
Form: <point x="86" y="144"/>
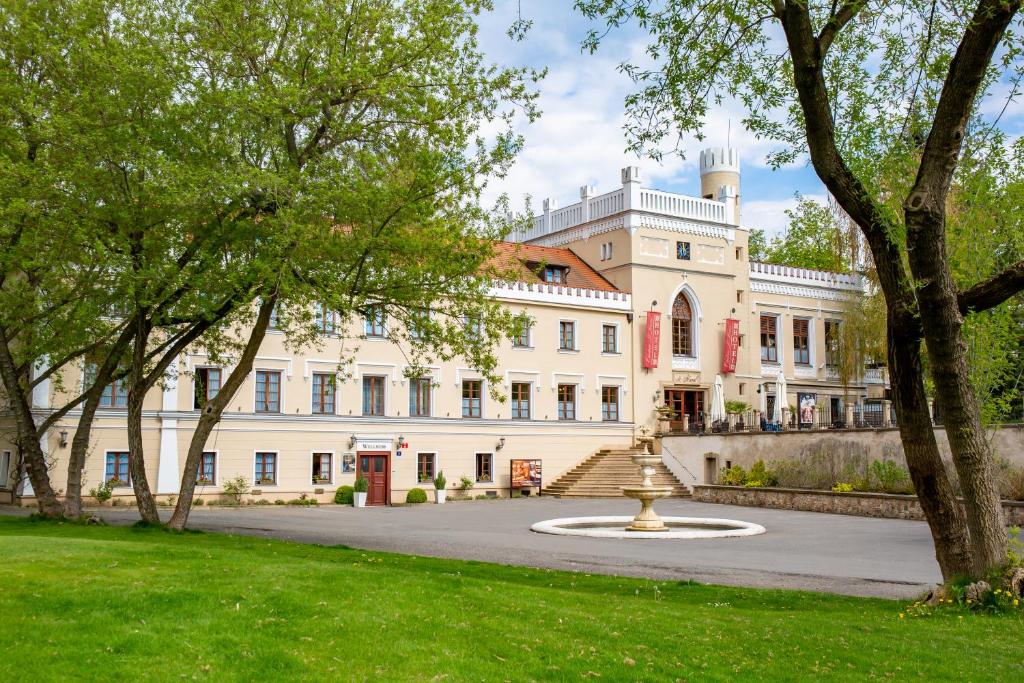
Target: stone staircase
<point x="603" y="475"/>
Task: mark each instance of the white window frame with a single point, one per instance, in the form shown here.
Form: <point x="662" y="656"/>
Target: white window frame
<point x="575" y="335"/>
<point x="280" y="395"/>
<point x="493" y="479"/>
<point x="216" y="467"/>
<point x="195" y="374"/>
<point x="436" y="469"/>
<point x="312" y="454"/>
<point x="618" y="339"/>
<point x="529" y="339"/>
<point x="277" y="468"/>
<point x="312" y="384"/>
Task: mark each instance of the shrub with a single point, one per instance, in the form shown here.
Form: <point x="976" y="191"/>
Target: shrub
<point x="102" y="493"/>
<point x="236" y="488"/>
<point x="261" y="501"/>
<point x="439" y="481"/>
<point x="343" y="496"/>
<point x="842" y="488"/>
<point x="197" y="502"/>
<point x="116" y="502"/>
<point x="279" y="501"/>
<point x="732" y="476"/>
<point x="302" y="500"/>
<point x="759" y="472"/>
<point x="1011" y="483"/>
<point x="361" y="485"/>
<point x="416" y="495"/>
<point x="465" y="484"/>
<point x="887" y="476"/>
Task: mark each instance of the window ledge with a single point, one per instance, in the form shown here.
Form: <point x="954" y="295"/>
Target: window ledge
<point x="611" y="353"/>
<point x="568" y="350"/>
<point x="522" y="348"/>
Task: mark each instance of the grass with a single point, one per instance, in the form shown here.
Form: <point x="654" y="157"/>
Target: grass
<point x="121" y="603"/>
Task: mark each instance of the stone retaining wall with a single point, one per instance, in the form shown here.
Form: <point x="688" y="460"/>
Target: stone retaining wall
<point x="856" y="503"/>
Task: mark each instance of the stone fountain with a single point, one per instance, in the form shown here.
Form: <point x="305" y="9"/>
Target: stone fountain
<point x="647" y="519"/>
<point x="647" y="524"/>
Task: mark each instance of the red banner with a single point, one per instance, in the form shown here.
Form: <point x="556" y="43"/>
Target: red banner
<point x="652" y="340"/>
<point x="730" y="345"/>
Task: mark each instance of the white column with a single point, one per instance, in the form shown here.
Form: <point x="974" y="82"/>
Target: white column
<point x="41" y="392"/>
<point x="168" y="477"/>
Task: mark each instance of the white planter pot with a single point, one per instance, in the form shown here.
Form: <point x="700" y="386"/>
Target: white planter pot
<point x="441" y="495"/>
<point x="359" y="499"/>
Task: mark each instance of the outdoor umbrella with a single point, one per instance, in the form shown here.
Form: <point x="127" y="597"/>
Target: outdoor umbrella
<point x="780" y="397"/>
<point x="717" y="400"/>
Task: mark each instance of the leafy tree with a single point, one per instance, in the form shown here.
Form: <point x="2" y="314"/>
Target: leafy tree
<point x="882" y="97"/>
<point x="816" y="238"/>
<point x="757" y="245"/>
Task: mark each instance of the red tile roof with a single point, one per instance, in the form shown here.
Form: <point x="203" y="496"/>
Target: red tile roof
<point x="526" y="262"/>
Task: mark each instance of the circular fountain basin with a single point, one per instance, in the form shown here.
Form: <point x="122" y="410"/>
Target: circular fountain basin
<point x="678" y="527"/>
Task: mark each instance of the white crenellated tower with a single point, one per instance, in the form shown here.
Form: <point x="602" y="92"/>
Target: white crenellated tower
<point x="720" y="179"/>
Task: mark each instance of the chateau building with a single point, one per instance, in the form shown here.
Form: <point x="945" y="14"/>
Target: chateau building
<point x="638" y="299"/>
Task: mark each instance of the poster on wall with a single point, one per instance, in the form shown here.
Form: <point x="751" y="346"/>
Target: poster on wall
<point x="348" y="463"/>
<point x="652" y="339"/>
<point x="805" y="410"/>
<point x="524" y="474"/>
<point x="730" y="345"/>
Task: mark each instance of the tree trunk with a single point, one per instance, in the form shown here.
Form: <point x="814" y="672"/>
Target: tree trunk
<point x="934" y="491"/>
<point x="137" y="390"/>
<point x="211" y="414"/>
<point x="27" y="433"/>
<point x="947" y="353"/>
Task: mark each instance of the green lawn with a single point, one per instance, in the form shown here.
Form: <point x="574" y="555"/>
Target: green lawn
<point x="113" y="603"/>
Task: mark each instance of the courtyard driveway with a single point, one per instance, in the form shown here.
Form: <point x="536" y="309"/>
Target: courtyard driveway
<point x="801" y="550"/>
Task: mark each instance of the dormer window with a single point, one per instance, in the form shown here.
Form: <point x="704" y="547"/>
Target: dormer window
<point x="555" y="274"/>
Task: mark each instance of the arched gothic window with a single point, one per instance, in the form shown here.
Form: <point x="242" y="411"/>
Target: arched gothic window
<point x="682" y="327"/>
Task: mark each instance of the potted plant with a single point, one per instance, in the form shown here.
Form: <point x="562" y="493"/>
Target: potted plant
<point x="439" y="491"/>
<point x="359" y="492"/>
<point x="737" y="408"/>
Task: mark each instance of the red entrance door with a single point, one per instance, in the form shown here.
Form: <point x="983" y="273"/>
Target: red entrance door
<point x="374" y="468"/>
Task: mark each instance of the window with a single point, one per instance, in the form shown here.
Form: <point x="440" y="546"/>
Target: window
<point x="471" y="398"/>
<point x="739" y="253"/>
<point x="606" y="251"/>
<point x="117" y="473"/>
<point x="425" y="467"/>
<point x="769" y="345"/>
<point x="683" y="251"/>
<point x="742" y="388"/>
<point x="323" y="393"/>
<point x="266" y="469"/>
<point x="418" y="323"/>
<point x="609" y="339"/>
<point x="832" y="341"/>
<point x="801" y="341"/>
<point x="374" y="322"/>
<point x="521" y="400"/>
<point x="5" y="469"/>
<point x="567" y="335"/>
<point x="521" y="337"/>
<point x="373" y="395"/>
<point x="742" y="341"/>
<point x="207" y="383"/>
<point x="275" y="320"/>
<point x="566" y="401"/>
<point x="268" y="391"/>
<point x="115" y="394"/>
<point x="485" y="467"/>
<point x="610" y="404"/>
<point x="474" y="328"/>
<point x="739" y="296"/>
<point x="555" y="274"/>
<point x="323" y="468"/>
<point x="682" y="327"/>
<point x="419" y="397"/>
<point x="324" y="320"/>
<point x="207" y="470"/>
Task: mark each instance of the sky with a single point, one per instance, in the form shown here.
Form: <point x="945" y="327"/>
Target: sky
<point x="579" y="138"/>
